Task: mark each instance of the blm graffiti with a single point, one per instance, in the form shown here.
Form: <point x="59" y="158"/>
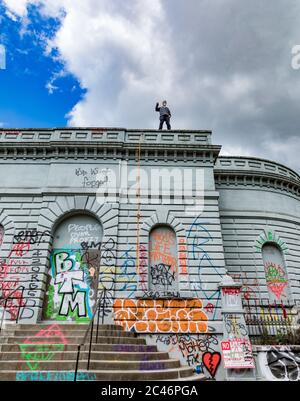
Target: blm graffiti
<point x="73" y="285"/>
<point x="74" y="270"/>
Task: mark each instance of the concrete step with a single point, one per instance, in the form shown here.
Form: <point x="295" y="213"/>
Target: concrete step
<point x="116" y="348"/>
<point x="51" y="356"/>
<point x="195" y="378"/>
<point x="98" y="365"/>
<point x="77" y="340"/>
<point x="96" y="355"/>
<point x="107" y="375"/>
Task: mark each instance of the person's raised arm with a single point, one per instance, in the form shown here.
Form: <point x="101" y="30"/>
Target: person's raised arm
<point x="157" y="108"/>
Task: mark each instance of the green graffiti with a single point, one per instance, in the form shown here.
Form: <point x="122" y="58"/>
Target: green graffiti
<point x="274" y="273"/>
<point x="270" y="237"/>
<point x="34" y="354"/>
<point x="50" y="305"/>
<point x="72" y="289"/>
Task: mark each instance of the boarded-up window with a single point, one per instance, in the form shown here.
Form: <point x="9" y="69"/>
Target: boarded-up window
<point x="275" y="271"/>
<point x="163" y="260"/>
<point x="74" y="267"/>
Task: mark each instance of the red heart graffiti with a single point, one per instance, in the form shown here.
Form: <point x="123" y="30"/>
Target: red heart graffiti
<point x="211" y="360"/>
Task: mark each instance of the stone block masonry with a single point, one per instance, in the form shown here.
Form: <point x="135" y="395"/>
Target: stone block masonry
<point x="87" y="213"/>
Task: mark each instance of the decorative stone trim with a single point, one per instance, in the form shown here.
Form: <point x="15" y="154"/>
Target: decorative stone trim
<point x="253" y="164"/>
<point x="8" y="231"/>
<point x="238" y="179"/>
<point x="269" y="236"/>
<point x="112" y="135"/>
<point x="88" y="143"/>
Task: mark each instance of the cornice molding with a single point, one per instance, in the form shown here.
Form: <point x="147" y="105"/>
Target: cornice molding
<point x="73" y="143"/>
<point x="206" y="154"/>
<point x="254" y="173"/>
<point x="254" y="180"/>
<point x="254" y="164"/>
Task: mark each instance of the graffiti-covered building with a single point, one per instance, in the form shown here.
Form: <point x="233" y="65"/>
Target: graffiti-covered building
<point x="153" y="224"/>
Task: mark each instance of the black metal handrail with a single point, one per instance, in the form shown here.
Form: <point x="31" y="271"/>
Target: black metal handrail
<point x="6" y="299"/>
<point x="90" y="328"/>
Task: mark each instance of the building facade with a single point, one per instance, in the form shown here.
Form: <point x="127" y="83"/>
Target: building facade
<point x="143" y="226"/>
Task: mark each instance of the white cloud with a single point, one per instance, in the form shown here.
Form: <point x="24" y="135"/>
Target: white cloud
<point x="51" y="88"/>
<point x="17" y="7"/>
<point x="125" y="64"/>
<point x="236" y="150"/>
<point x="222" y="65"/>
<point x="285" y="152"/>
<point x="120" y="54"/>
<point x="237" y="87"/>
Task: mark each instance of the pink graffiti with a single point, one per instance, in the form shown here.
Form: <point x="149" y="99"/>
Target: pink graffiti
<point x="12" y="296"/>
<point x="182" y="256"/>
<point x="231" y="291"/>
<point x="143" y="268"/>
<point x="276" y="279"/>
<point x="51" y="335"/>
<point x="277" y="289"/>
<point x="20" y="249"/>
<point x="209" y="308"/>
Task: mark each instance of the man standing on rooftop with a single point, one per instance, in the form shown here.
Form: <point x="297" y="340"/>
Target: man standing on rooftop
<point x="164" y="114"/>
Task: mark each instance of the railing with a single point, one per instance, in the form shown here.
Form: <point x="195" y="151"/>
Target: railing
<point x="99" y="310"/>
<point x="9" y="298"/>
<point x="268" y="322"/>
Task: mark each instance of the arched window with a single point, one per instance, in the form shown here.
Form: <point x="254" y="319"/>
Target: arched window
<point x="275" y="271"/>
<point x="163" y="260"/>
<point x="1" y="235"/>
<point x="74" y="267"/>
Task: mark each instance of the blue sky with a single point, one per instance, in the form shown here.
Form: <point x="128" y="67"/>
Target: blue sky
<point x="224" y="65"/>
<point x="24" y="99"/>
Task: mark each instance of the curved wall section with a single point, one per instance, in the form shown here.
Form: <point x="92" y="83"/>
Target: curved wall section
<point x="259" y="200"/>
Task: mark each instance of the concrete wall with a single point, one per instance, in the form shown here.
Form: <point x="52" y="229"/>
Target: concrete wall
<point x="259" y="204"/>
<point x="49" y="176"/>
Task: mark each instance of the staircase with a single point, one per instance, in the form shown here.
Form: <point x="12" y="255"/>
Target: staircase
<point x="47" y="352"/>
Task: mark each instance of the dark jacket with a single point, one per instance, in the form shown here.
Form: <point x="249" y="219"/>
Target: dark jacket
<point x="163" y="110"/>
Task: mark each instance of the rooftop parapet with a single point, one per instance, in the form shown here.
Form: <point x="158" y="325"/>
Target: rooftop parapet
<point x="106" y="135"/>
<point x="253" y="165"/>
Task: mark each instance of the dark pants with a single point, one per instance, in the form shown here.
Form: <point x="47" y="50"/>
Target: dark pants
<point x="165" y="119"/>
